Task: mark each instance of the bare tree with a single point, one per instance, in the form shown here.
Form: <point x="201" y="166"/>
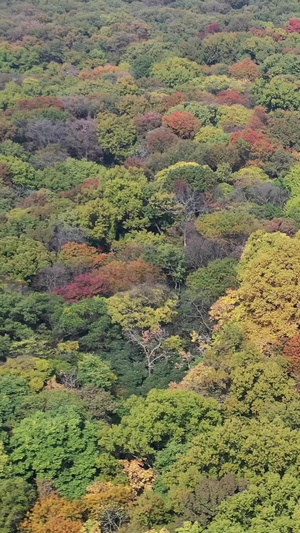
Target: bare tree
<point x="69" y="379"/>
<point x="151" y="343"/>
<point x="81" y="139"/>
<point x="51" y="277"/>
<point x="192" y="203"/>
<point x="39" y="133"/>
<point x="200" y="251"/>
<point x="64" y="234"/>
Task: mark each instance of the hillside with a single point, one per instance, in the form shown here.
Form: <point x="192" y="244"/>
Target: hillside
<point x="150" y="266"/>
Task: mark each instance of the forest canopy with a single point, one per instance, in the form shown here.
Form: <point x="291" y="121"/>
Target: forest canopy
<point x="149" y="266"/>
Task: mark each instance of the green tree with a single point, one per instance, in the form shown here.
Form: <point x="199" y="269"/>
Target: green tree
<point x="117" y="134"/>
<point x="226" y="225"/>
<point x="92" y="370"/>
<point x="66" y="175"/>
<point x="22" y="173"/>
<point x="175" y="71"/>
<point x="207" y="284"/>
<point x="13" y="390"/>
<point x="277" y="94"/>
<point x="89" y="322"/>
<point x="271" y="504"/>
<point x="151" y="423"/>
<point x="62" y="448"/>
<point x="16" y="498"/>
<point x="142" y="307"/>
<point x="22" y="257"/>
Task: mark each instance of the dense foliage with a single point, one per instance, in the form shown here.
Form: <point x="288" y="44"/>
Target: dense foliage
<point x="150" y="264"/>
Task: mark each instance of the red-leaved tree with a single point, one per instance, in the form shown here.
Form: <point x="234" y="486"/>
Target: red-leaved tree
<point x="160" y="140"/>
<point x="293" y="25"/>
<point x="183" y="124"/>
<point x="245" y="69"/>
<point x="292" y="354"/>
<point x="85" y="285"/>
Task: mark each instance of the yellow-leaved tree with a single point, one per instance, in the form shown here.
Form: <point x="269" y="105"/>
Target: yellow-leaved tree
<point x="268" y="299"/>
<point x="142" y="313"/>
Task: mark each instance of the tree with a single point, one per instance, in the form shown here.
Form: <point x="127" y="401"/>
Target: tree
<point x="201" y="505"/>
<point x="267" y="298"/>
<point x="62" y="448"/>
<point x="211" y="134"/>
<point x="183" y="123"/>
<point x="122" y="275"/>
<point x="270" y="504"/>
<point x="150" y="509"/>
<point x="200" y="177"/>
<point x="81" y="140"/>
<point x="148" y="121"/>
<point x="282" y="225"/>
<point x="291" y="180"/>
<point x="14" y="389"/>
<point x="152" y="344"/>
<point x="41" y="132"/>
<point x="8" y="129"/>
<point x="78" y="256"/>
<point x="226" y="225"/>
<point x="107" y="505"/>
<point x="277" y="94"/>
<point x="22" y="257"/>
<point x="163" y="416"/>
<point x="89" y="322"/>
<point x="259" y="145"/>
<point x="175" y="71"/>
<point x="125" y="201"/>
<point x="170" y="259"/>
<point x="220" y="48"/>
<point x="117" y="134"/>
<point x="54" y="514"/>
<point x="266" y="389"/>
<point x="250" y="447"/>
<point x="292" y="353"/>
<point x="232" y="97"/>
<point x="142" y="307"/>
<point x="246" y="68"/>
<point x="86" y="285"/>
<point x="209" y="283"/>
<point x="34" y="370"/>
<point x="285" y="127"/>
<point x="232" y="117"/>
<point x="293" y="25"/>
<point x="92" y="370"/>
<point x="67" y="174"/>
<point x="22" y="173"/>
<point x="98" y="402"/>
<point x="16" y="498"/>
<point x="292" y="209"/>
<point x="26" y="316"/>
<point x="160" y="140"/>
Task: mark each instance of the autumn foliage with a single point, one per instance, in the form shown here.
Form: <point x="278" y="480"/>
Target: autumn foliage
<point x="84" y="285"/>
<point x="293" y="25"/>
<point x="232" y="97"/>
<point x="160" y="139"/>
<point x="246" y="68"/>
<point x="54" y="515"/>
<point x="183" y="124"/>
<point x="80" y="255"/>
<point x="292" y="353"/>
<point x="259" y="144"/>
<point x="40" y="102"/>
<point x="122" y="276"/>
